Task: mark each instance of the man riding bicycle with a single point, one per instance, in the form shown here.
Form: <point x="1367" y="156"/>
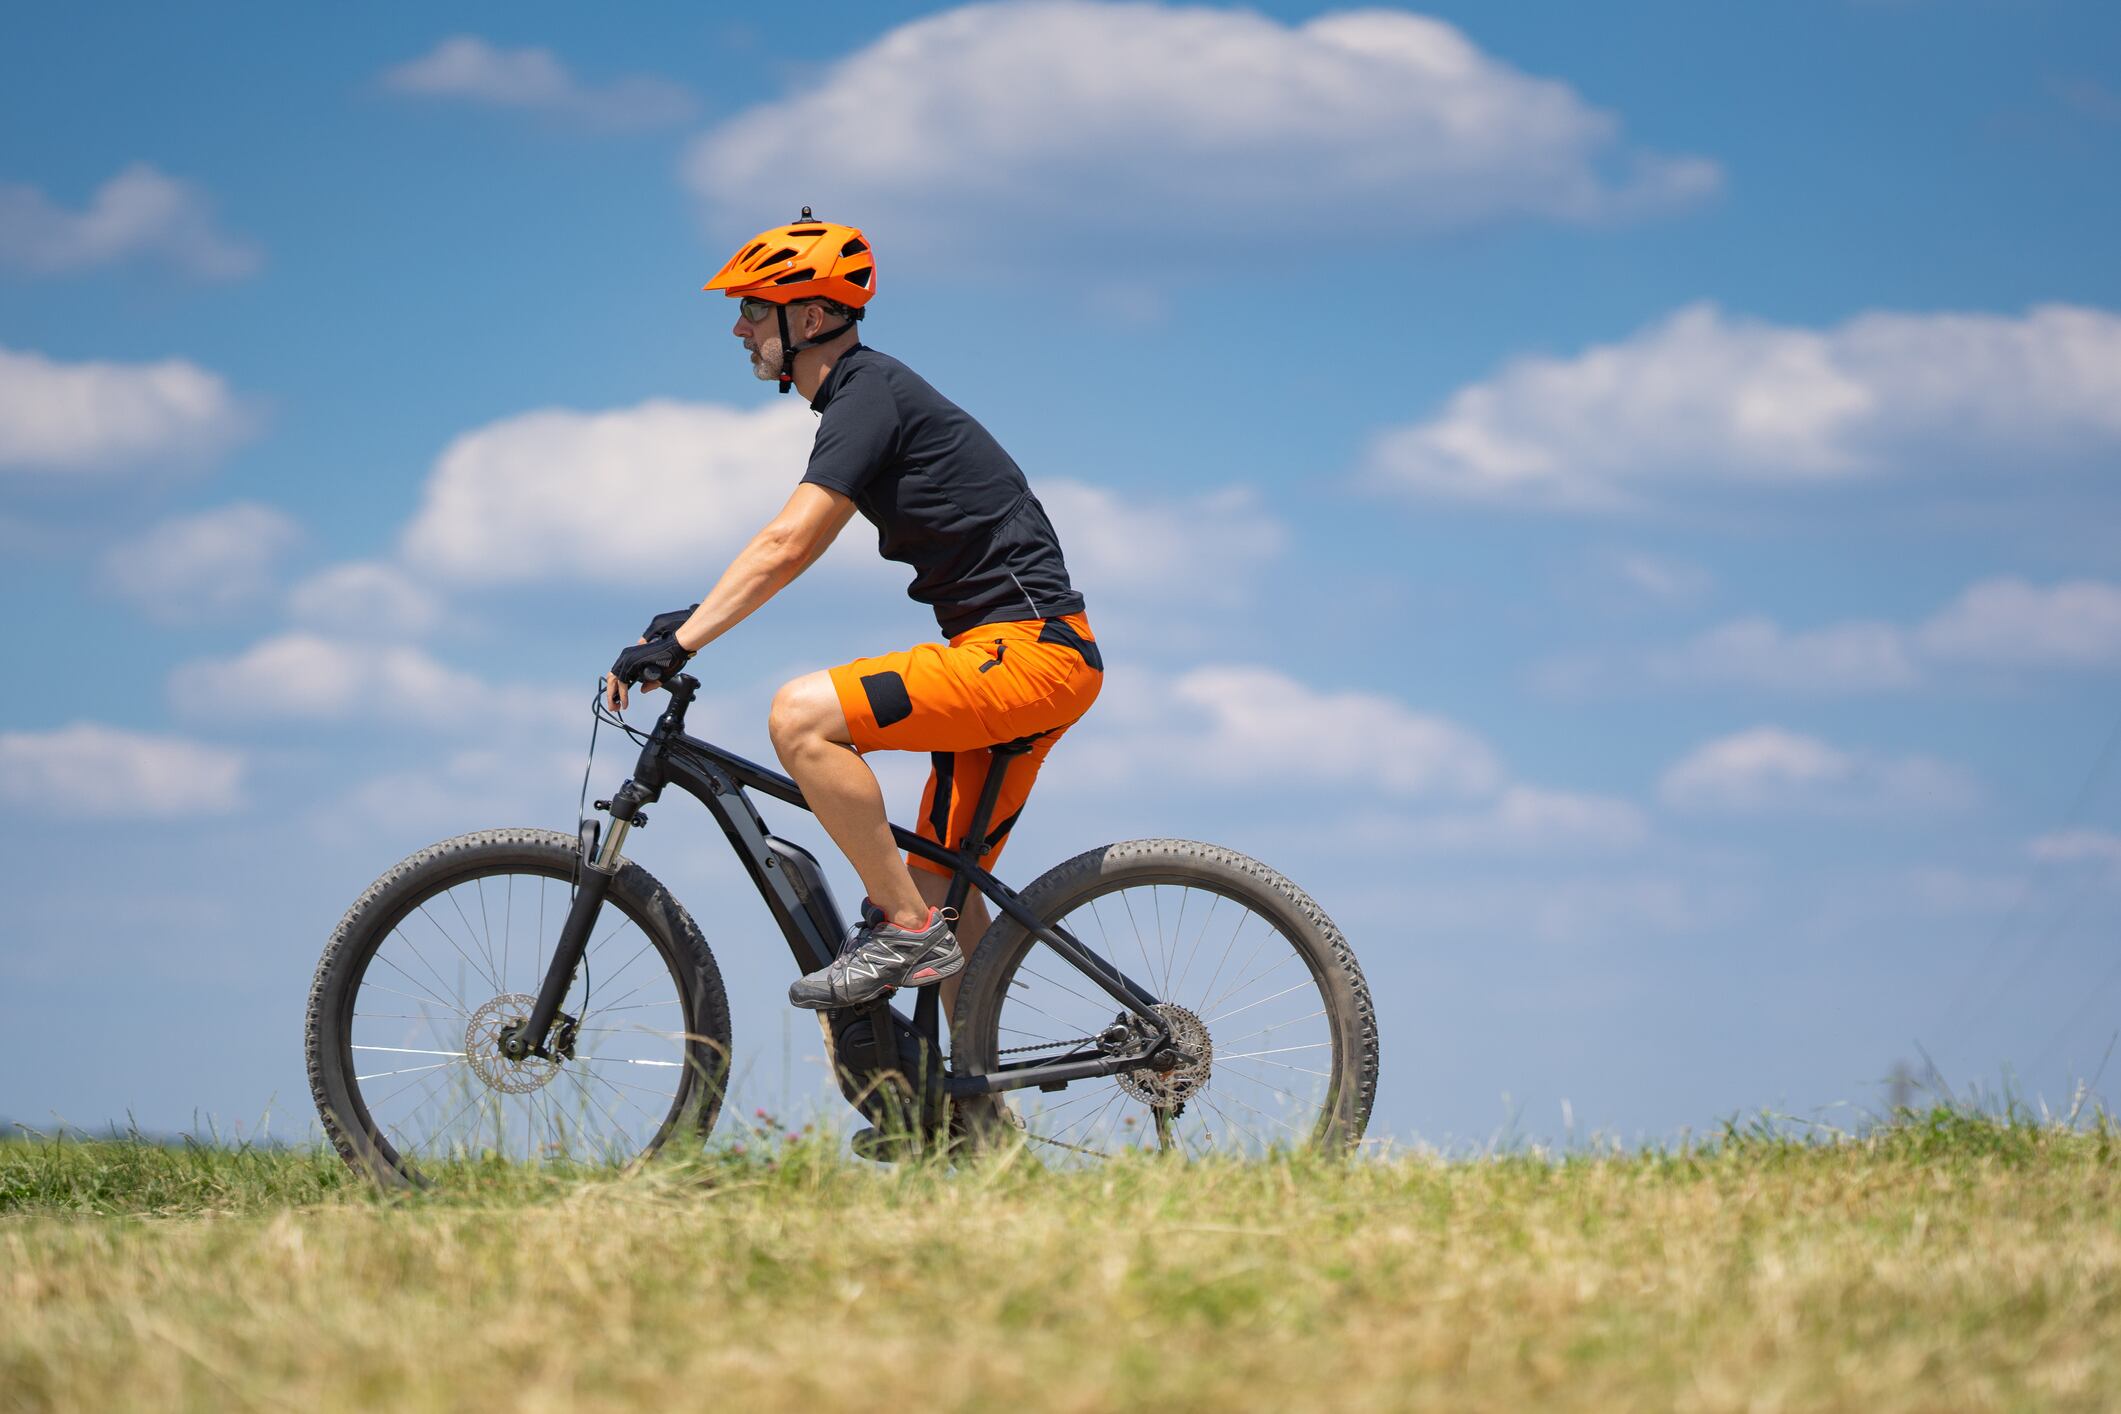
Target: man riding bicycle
<point x="1019" y="663"/>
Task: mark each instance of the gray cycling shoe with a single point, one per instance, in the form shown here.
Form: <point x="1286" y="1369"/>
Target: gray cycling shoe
<point x="879" y="956"/>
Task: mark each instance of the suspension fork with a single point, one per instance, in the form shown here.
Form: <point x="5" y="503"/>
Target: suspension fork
<point x="527" y="1038"/>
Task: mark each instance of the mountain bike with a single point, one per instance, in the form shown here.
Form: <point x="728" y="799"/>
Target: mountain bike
<point x="533" y="995"/>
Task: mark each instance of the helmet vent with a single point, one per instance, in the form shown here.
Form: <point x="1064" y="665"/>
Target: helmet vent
<point x="859" y="277"/>
<point x="854" y="247"/>
<point x="807" y="231"/>
<point x="756" y="247"/>
<point x="782" y="254"/>
<point x="795" y="277"/>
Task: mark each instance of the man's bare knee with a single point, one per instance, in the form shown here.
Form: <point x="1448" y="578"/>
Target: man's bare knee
<point x="784" y="718"/>
<point x="805" y="710"/>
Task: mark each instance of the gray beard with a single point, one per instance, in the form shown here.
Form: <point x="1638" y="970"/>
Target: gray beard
<point x="766" y="363"/>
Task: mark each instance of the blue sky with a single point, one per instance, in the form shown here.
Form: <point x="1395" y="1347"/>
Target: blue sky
<point x="1619" y="505"/>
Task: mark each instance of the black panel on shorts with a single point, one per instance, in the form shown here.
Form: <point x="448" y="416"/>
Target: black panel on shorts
<point x="888" y="701"/>
<point x="999" y="833"/>
<point x="1061" y="631"/>
<point x="945" y="764"/>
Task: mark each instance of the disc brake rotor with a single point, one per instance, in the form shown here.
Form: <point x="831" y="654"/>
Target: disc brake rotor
<point x="482" y="1047"/>
<point x="1168" y="1089"/>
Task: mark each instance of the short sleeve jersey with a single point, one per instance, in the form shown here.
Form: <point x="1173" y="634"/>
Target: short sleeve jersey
<point x="943" y="495"/>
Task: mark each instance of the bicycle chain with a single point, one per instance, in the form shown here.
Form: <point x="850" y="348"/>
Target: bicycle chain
<point x="1047" y="1046"/>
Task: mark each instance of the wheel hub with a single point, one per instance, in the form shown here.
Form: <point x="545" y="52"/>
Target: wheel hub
<point x="1168" y="1089"/>
<point x="482" y="1047"/>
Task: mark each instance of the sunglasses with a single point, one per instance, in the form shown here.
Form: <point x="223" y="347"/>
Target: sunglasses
<point x="756" y="309"/>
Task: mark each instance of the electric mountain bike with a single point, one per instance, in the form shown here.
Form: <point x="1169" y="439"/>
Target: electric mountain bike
<point x="537" y="996"/>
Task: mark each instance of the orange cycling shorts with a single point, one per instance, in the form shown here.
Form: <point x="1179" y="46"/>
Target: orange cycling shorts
<point x="989" y="685"/>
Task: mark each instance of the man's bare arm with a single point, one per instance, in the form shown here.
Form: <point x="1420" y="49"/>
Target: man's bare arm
<point x="789" y="544"/>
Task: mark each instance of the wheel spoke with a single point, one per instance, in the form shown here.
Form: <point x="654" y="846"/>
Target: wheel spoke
<point x="385" y="1074"/>
<point x="469" y="932"/>
<point x="1277" y="1050"/>
<point x="1059" y="986"/>
<point x="450" y="938"/>
<point x="1214" y="900"/>
<point x="1261" y="1002"/>
<point x="486" y="931"/>
<point x="1256" y="978"/>
<point x="1276" y="1026"/>
<point x="407" y="995"/>
<point x="421" y="1084"/>
<point x="1249" y="958"/>
<point x="1283" y="1066"/>
<point x="431" y="971"/>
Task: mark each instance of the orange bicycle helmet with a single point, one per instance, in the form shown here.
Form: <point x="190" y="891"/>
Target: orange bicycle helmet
<point x="807" y="259"/>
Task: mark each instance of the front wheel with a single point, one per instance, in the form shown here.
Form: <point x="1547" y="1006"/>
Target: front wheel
<point x="1252" y="978"/>
<point x="448" y="949"/>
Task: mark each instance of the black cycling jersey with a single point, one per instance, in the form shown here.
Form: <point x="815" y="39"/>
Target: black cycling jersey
<point x="943" y="495"/>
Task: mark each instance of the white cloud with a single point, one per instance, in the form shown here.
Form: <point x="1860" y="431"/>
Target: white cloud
<point x="1996" y="623"/>
<point x="364" y="598"/>
<point x="1707" y="398"/>
<point x="1208" y="548"/>
<point x="2009" y="622"/>
<point x="1558" y="909"/>
<point x="100" y="772"/>
<point x="665" y="491"/>
<point x="1758" y="653"/>
<point x="1366" y="759"/>
<point x="1522" y="819"/>
<point x="1122" y="120"/>
<point x="467" y="790"/>
<point x="199" y="567"/>
<point x="467" y="67"/>
<point x="648" y="493"/>
<point x="1239" y="724"/>
<point x="306" y="676"/>
<point x="91" y="417"/>
<point x="1769" y="768"/>
<point x="2078" y="847"/>
<point x="138" y="212"/>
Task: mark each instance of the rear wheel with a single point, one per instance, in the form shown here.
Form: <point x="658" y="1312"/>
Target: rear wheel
<point x="447" y="949"/>
<point x="1252" y="978"/>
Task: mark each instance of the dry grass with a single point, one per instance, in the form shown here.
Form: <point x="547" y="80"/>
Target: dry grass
<point x="1953" y="1262"/>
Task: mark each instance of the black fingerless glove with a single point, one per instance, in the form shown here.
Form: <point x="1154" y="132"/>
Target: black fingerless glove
<point x="664" y="625"/>
<point x="656" y="661"/>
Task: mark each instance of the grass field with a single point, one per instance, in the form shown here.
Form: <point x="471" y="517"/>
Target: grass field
<point x="1952" y="1262"/>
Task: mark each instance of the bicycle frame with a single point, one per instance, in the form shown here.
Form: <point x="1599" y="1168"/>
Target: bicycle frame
<point x="794" y="888"/>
